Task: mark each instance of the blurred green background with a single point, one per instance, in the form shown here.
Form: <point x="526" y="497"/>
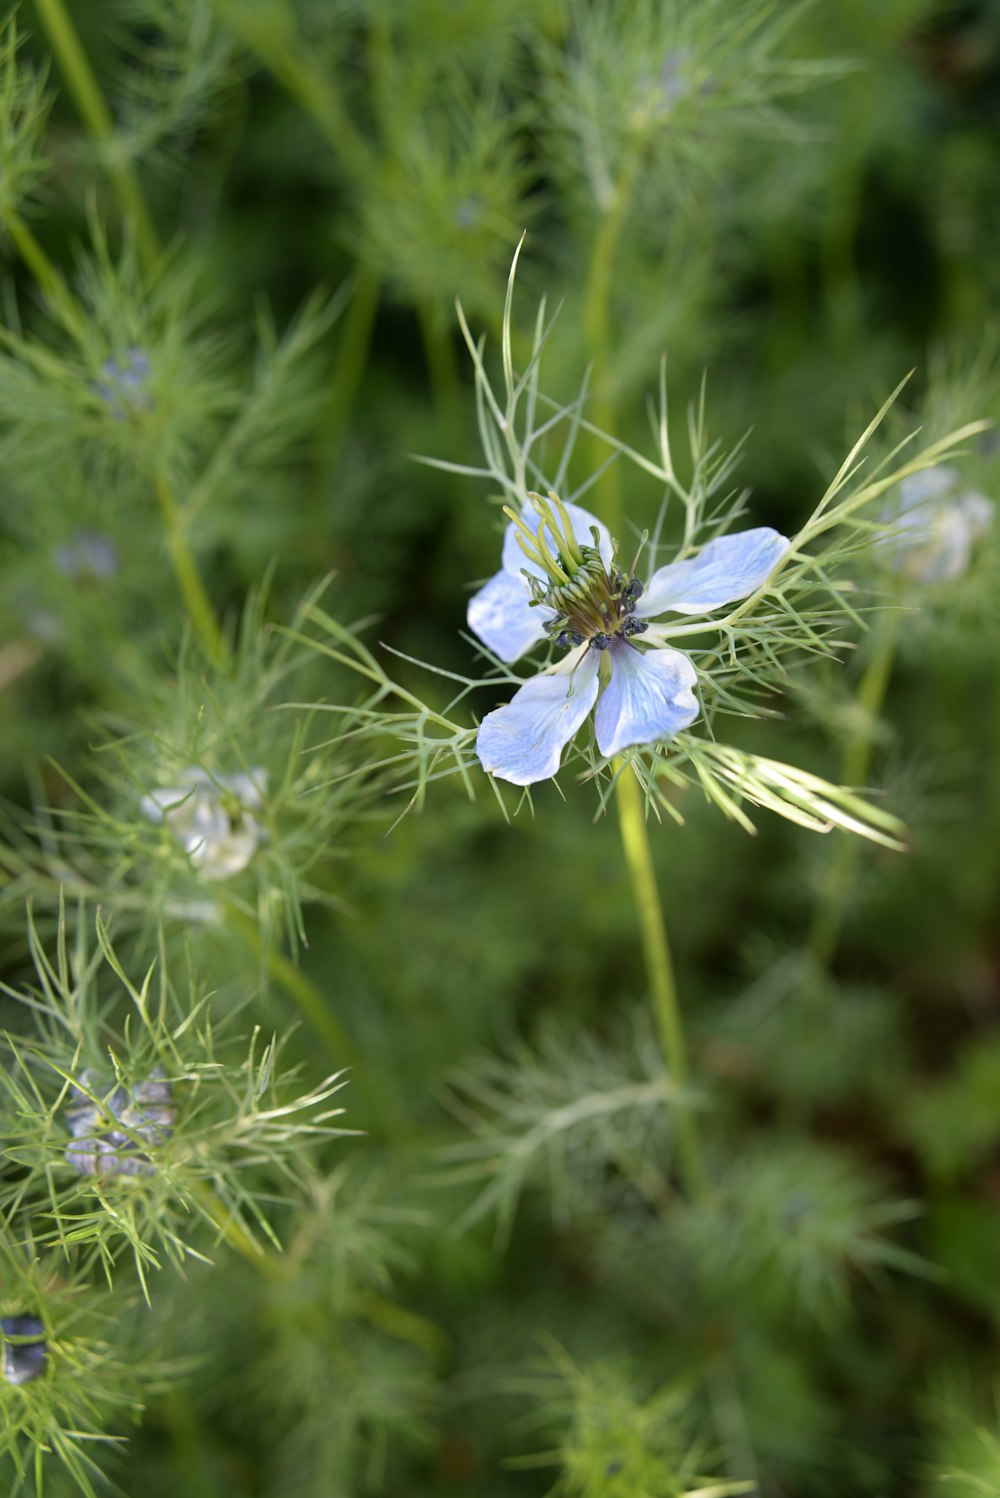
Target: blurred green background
<point x="797" y="202"/>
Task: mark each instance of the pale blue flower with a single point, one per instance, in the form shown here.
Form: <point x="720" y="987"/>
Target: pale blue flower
<point x="25" y="1357"/>
<point x="935" y="524"/>
<point x="560" y="581"/>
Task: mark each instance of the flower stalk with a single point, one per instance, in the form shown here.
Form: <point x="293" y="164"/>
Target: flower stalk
<point x="298" y="987"/>
<point x="596" y="321"/>
<point x="97" y="118"/>
<point x="659" y="966"/>
<point x="196" y="600"/>
<point x="828" y="919"/>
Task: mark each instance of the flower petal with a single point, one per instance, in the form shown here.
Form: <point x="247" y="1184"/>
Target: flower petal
<point x="929" y="484"/>
<point x="523" y="741"/>
<point x="728" y="568"/>
<point x="978" y="512"/>
<point x="583" y="522"/>
<point x="504" y="618"/>
<point x="649" y="697"/>
<point x="932" y="541"/>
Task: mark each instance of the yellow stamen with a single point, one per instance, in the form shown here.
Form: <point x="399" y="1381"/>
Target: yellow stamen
<point x="549" y="562"/>
<point x="525" y="537"/>
<point x="569" y="536"/>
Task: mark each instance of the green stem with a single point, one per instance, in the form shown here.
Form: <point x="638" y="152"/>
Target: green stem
<point x="659" y="968"/>
<point x="721" y="1372"/>
<point x="298" y="987"/>
<point x="196" y="600"/>
<point x="353" y="355"/>
<point x="352" y="359"/>
<point x="841" y="870"/>
<point x="440" y="352"/>
<point x="232" y="1230"/>
<point x="48" y="277"/>
<point x="34" y="257"/>
<point x="596" y="322"/>
<point x="404" y="1325"/>
<point x="393" y="1319"/>
<point x="97" y="118"/>
<point x="299" y="76"/>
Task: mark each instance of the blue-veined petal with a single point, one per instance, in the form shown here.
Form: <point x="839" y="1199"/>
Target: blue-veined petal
<point x="728" y="568"/>
<point x="649" y="697"/>
<point x="523" y="742"/>
<point x="504" y="618"/>
<point x="583" y="522"/>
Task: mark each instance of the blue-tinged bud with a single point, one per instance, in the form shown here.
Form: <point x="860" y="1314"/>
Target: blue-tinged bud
<point x="88" y="557"/>
<point x="123" y="386"/>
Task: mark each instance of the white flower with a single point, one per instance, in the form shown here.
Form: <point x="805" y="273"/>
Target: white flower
<point x="212" y="818"/>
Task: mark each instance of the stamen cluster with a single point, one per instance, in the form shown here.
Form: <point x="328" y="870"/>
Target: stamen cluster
<point x="592" y="601"/>
<point x="596" y="606"/>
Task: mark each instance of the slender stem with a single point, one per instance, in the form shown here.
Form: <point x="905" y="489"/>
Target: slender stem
<point x="659" y="968"/>
<point x="97" y="118"/>
<point x="299" y="75"/>
<point x="841" y="870"/>
<point x="441" y="363"/>
<point x="353" y="355"/>
<point x="196" y="600"/>
<point x="34" y="257"/>
<point x="404" y="1325"/>
<point x="721" y="1372"/>
<point x="232" y="1230"/>
<point x="309" y="86"/>
<point x="393" y="1319"/>
<point x="298" y="987"/>
<point x="597" y="319"/>
<point x="48" y="277"/>
<point x="352" y="359"/>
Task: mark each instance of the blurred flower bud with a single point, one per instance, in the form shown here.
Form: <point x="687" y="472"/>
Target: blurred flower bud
<point x="935" y="525"/>
<point x="124" y="384"/>
<point x="211" y="816"/>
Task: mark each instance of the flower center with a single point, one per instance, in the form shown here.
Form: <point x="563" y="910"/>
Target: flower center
<point x="594" y="603"/>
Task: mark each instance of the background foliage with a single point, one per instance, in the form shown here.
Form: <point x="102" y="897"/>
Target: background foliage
<point x="229" y="322"/>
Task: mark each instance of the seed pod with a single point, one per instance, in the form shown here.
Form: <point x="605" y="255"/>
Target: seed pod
<point x="101" y="1148"/>
<point x="21" y="1361"/>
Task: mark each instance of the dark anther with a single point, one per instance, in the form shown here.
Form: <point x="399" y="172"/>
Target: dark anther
<point x="601" y="641"/>
<point x="576" y="637"/>
<point x="562" y="640"/>
<point x="633" y="626"/>
<point x="631" y="593"/>
<point x="613" y="1468"/>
